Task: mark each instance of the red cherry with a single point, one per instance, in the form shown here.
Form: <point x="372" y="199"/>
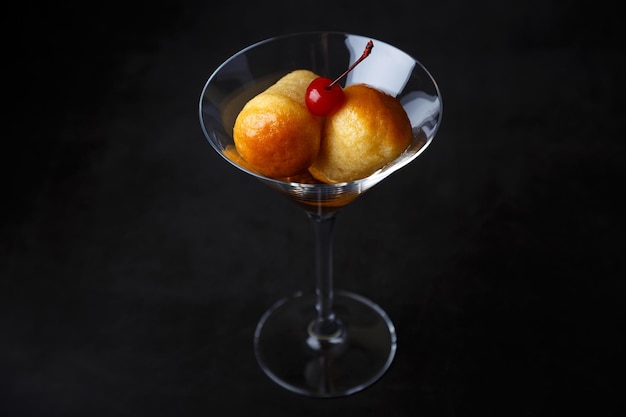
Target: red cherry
<point x="322" y="99"/>
<point x="324" y="96"/>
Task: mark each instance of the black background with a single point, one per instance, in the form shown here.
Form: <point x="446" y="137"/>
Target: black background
<point x="135" y="262"/>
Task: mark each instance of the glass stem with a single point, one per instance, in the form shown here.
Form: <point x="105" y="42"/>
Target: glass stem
<point x="326" y="325"/>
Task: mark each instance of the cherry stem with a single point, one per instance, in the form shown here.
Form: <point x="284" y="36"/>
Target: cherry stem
<point x="366" y="52"/>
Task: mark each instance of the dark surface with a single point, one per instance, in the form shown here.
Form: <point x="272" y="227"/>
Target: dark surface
<point x="135" y="262"/>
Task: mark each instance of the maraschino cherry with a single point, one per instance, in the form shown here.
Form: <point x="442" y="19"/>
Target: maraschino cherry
<point x="324" y="96"/>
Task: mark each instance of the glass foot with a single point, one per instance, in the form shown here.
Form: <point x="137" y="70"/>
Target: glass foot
<point x="341" y="364"/>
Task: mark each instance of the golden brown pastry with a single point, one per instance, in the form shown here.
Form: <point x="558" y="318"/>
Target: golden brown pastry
<point x="275" y="132"/>
<point x="370" y="130"/>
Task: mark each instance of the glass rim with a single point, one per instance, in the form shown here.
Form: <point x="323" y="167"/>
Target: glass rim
<point x="381" y="172"/>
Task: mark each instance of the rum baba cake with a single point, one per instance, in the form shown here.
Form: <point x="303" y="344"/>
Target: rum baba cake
<point x="279" y="137"/>
<point x="370" y="130"/>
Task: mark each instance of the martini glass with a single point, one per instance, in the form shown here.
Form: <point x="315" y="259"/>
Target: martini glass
<point x="326" y="342"/>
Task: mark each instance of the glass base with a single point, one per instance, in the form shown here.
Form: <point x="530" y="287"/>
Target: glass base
<point x="352" y="359"/>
